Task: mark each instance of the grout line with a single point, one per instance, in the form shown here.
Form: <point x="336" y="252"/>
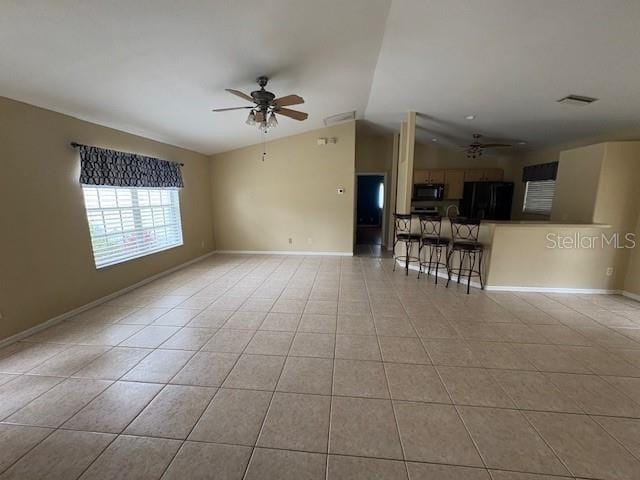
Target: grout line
<point x="138" y="415"/>
<point x="273" y="393"/>
<point x="397" y="287"/>
<point x="333" y="370"/>
<point x="386" y="379"/>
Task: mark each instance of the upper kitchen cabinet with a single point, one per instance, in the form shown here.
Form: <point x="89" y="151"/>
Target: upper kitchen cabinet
<point x="454" y="184"/>
<point x="473" y="175"/>
<point x="421" y="176"/>
<point x="436" y="176"/>
<point x="493" y="175"/>
<point x="454" y="178"/>
<point x="429" y="176"/>
<point x="483" y="175"/>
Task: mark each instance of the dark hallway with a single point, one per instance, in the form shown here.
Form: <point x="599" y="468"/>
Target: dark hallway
<point x="370" y="211"/>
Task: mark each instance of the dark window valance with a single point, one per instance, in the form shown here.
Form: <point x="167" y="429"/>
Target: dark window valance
<point x="100" y="166"/>
<point x="536" y="173"/>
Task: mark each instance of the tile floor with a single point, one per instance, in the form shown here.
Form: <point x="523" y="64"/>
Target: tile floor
<point x="273" y="367"/>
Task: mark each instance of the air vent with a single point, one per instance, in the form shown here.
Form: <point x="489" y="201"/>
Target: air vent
<point x="577" y="100"/>
<point x="339" y="118"/>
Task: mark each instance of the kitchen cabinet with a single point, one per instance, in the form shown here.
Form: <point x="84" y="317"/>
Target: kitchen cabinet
<point x="429" y="176"/>
<point x="473" y="175"/>
<point x="483" y="175"/>
<point x="420" y="176"/>
<point x="493" y="175"/>
<point x="436" y="176"/>
<point x="454" y="184"/>
<point x="454" y="178"/>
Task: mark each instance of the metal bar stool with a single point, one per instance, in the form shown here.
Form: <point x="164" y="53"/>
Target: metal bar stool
<point x="464" y="241"/>
<point x="430" y="228"/>
<point x="402" y="234"/>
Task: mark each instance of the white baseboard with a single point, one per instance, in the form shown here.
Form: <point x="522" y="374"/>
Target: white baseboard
<point x="582" y="291"/>
<point x="633" y="296"/>
<point x="52" y="321"/>
<point x="284" y="252"/>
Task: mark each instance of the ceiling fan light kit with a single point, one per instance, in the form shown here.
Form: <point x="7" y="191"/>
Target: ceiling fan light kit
<point x="266" y="105"/>
<point x="475" y="148"/>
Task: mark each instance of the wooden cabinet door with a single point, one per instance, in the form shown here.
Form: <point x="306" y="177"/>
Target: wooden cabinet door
<point x="436" y="176"/>
<point x="473" y="175"/>
<point x="493" y="175"/>
<point x="420" y="176"/>
<point x="454" y="184"/>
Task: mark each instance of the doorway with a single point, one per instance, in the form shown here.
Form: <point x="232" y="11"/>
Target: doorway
<point x="370" y="212"/>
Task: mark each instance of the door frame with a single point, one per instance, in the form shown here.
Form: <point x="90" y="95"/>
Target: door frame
<point x="387" y="197"/>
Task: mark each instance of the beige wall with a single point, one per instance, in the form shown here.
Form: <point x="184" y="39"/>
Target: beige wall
<point x="618" y="204"/>
<point x="433" y="155"/>
<point x="520" y="258"/>
<point x="46" y="263"/>
<point x="258" y="205"/>
<point x="632" y="279"/>
<point x="374" y="150"/>
<point x="374" y="154"/>
<point x="579" y="172"/>
<point x="595" y="184"/>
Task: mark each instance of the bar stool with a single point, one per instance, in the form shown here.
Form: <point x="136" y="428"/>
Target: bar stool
<point x="402" y="233"/>
<point x="464" y="241"/>
<point x="430" y="228"/>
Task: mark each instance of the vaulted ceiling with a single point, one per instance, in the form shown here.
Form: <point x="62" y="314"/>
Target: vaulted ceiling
<point x="157" y="67"/>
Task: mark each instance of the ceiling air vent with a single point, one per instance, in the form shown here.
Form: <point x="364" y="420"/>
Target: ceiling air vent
<point x="577" y="100"/>
<point x="339" y="118"/>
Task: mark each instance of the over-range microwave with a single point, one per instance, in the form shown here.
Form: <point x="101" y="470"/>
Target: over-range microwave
<point x="428" y="191"/>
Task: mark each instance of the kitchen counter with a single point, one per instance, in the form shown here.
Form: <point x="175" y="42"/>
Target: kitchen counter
<point x="533" y="223"/>
<point x="543" y="255"/>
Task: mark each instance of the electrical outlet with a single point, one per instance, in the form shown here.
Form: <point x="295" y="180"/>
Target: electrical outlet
<point x="202" y="244"/>
<point x="290" y="241"/>
<point x="309" y="240"/>
<point x="609" y="271"/>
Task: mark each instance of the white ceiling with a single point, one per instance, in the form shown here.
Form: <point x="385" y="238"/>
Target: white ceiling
<point x="507" y="62"/>
<point x="157" y="67"/>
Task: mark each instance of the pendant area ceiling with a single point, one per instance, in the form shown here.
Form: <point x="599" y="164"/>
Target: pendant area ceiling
<point x="157" y="67"/>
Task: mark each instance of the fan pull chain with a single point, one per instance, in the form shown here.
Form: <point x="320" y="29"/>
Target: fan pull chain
<point x="264" y="146"/>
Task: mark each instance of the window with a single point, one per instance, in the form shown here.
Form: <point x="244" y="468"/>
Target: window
<point x="538" y="196"/>
<point x="381" y="196"/>
<point x="127" y="223"/>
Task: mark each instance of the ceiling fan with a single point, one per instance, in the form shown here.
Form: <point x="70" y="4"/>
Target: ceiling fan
<point x="475" y="148"/>
<point x="266" y="105"/>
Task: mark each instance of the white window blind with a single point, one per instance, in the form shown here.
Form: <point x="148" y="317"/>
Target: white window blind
<point x="127" y="223"/>
<point x="538" y="197"/>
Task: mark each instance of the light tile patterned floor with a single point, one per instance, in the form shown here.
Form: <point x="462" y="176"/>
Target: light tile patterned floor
<point x="274" y="367"/>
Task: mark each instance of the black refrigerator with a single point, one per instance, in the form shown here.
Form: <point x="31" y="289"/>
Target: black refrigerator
<point x="487" y="200"/>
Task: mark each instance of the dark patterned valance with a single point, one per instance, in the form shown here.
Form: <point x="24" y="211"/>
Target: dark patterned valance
<point x="543" y="171"/>
<point x="100" y="166"/>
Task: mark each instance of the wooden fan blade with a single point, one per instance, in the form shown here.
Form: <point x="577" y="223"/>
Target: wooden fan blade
<point x="495" y="145"/>
<point x="295" y="114"/>
<point x="238" y="93"/>
<point x="227" y="109"/>
<point x="288" y="100"/>
<point x="259" y="117"/>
